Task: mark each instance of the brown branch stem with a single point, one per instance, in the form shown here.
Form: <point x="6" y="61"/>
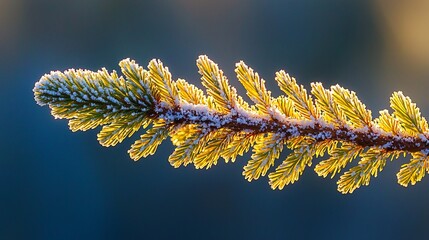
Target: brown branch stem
<point x="288" y="128"/>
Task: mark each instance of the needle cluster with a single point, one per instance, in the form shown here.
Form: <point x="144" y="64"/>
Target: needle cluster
<point x="207" y="126"/>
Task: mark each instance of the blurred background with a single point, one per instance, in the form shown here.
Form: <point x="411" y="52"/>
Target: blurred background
<point x="56" y="184"/>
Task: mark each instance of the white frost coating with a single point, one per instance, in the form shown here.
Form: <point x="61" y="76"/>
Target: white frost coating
<point x="423" y="137"/>
<point x="425" y="152"/>
<point x="277" y="115"/>
<point x="387" y="145"/>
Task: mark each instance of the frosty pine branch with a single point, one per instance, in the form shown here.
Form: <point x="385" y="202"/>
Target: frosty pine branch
<point x="221" y="124"/>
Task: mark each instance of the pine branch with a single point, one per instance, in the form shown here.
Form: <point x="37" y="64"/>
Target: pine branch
<point x="205" y="128"/>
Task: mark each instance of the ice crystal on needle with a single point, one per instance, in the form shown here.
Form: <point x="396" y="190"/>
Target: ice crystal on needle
<point x="220" y="124"/>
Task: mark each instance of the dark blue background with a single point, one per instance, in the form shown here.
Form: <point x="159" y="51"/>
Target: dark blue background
<point x="56" y="184"/>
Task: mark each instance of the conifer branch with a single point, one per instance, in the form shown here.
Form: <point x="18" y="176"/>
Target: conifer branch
<point x="205" y="128"/>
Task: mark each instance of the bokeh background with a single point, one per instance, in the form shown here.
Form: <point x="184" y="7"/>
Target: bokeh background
<point x="61" y="185"/>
